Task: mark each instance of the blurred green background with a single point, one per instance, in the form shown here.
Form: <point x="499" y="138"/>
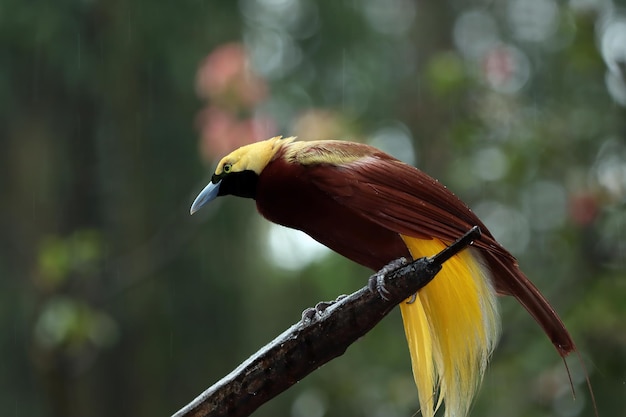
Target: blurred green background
<point x="114" y="302"/>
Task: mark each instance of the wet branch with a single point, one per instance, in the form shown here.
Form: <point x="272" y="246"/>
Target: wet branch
<point x="324" y="333"/>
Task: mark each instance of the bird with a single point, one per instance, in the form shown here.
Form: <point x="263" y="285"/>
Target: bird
<point x="373" y="209"/>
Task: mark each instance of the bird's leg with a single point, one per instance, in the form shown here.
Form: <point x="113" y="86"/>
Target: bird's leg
<point x="319" y="309"/>
<point x="376" y="283"/>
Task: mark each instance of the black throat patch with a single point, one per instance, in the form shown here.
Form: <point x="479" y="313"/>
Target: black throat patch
<point x="241" y="184"/>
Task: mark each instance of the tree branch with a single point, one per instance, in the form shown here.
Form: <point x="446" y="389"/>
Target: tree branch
<point x="323" y="334"/>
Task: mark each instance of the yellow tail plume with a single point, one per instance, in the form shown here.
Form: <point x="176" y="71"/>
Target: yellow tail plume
<point x="452" y="328"/>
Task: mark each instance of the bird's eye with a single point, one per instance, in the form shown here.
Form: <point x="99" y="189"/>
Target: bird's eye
<point x="227" y="168"/>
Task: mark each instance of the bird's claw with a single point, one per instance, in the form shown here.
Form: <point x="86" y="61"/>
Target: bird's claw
<point x="309" y="314"/>
<point x="376" y="283"/>
<point x="320" y="308"/>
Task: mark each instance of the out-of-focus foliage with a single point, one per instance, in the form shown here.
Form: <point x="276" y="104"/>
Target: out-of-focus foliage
<point x="113" y="301"/>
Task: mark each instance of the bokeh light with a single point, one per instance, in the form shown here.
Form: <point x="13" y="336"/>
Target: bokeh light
<point x="611" y="32"/>
<point x="509" y="226"/>
<point x="396" y="140"/>
<point x="490" y="164"/>
<point x="532" y="20"/>
<point x="393" y="17"/>
<point x="475" y="32"/>
<point x="292" y="249"/>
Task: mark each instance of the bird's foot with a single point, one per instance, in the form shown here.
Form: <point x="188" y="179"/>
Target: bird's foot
<point x="376" y="283"/>
<point x="320" y="308"/>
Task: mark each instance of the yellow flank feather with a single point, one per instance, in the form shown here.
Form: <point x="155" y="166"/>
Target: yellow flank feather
<point x="451" y="328"/>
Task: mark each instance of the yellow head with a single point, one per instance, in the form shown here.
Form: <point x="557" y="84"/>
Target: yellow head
<point x="253" y="157"/>
<point x="238" y="172"/>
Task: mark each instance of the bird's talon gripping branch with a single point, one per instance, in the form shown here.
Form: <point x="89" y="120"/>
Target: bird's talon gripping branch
<point x="323" y="305"/>
<point x="320" y="308"/>
<point x="308" y="315"/>
<point x="376" y="283"/>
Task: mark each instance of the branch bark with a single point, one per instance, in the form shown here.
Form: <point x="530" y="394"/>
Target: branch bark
<point x="323" y="334"/>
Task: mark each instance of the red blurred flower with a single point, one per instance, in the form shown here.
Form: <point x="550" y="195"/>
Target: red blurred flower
<point x="225" y="77"/>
